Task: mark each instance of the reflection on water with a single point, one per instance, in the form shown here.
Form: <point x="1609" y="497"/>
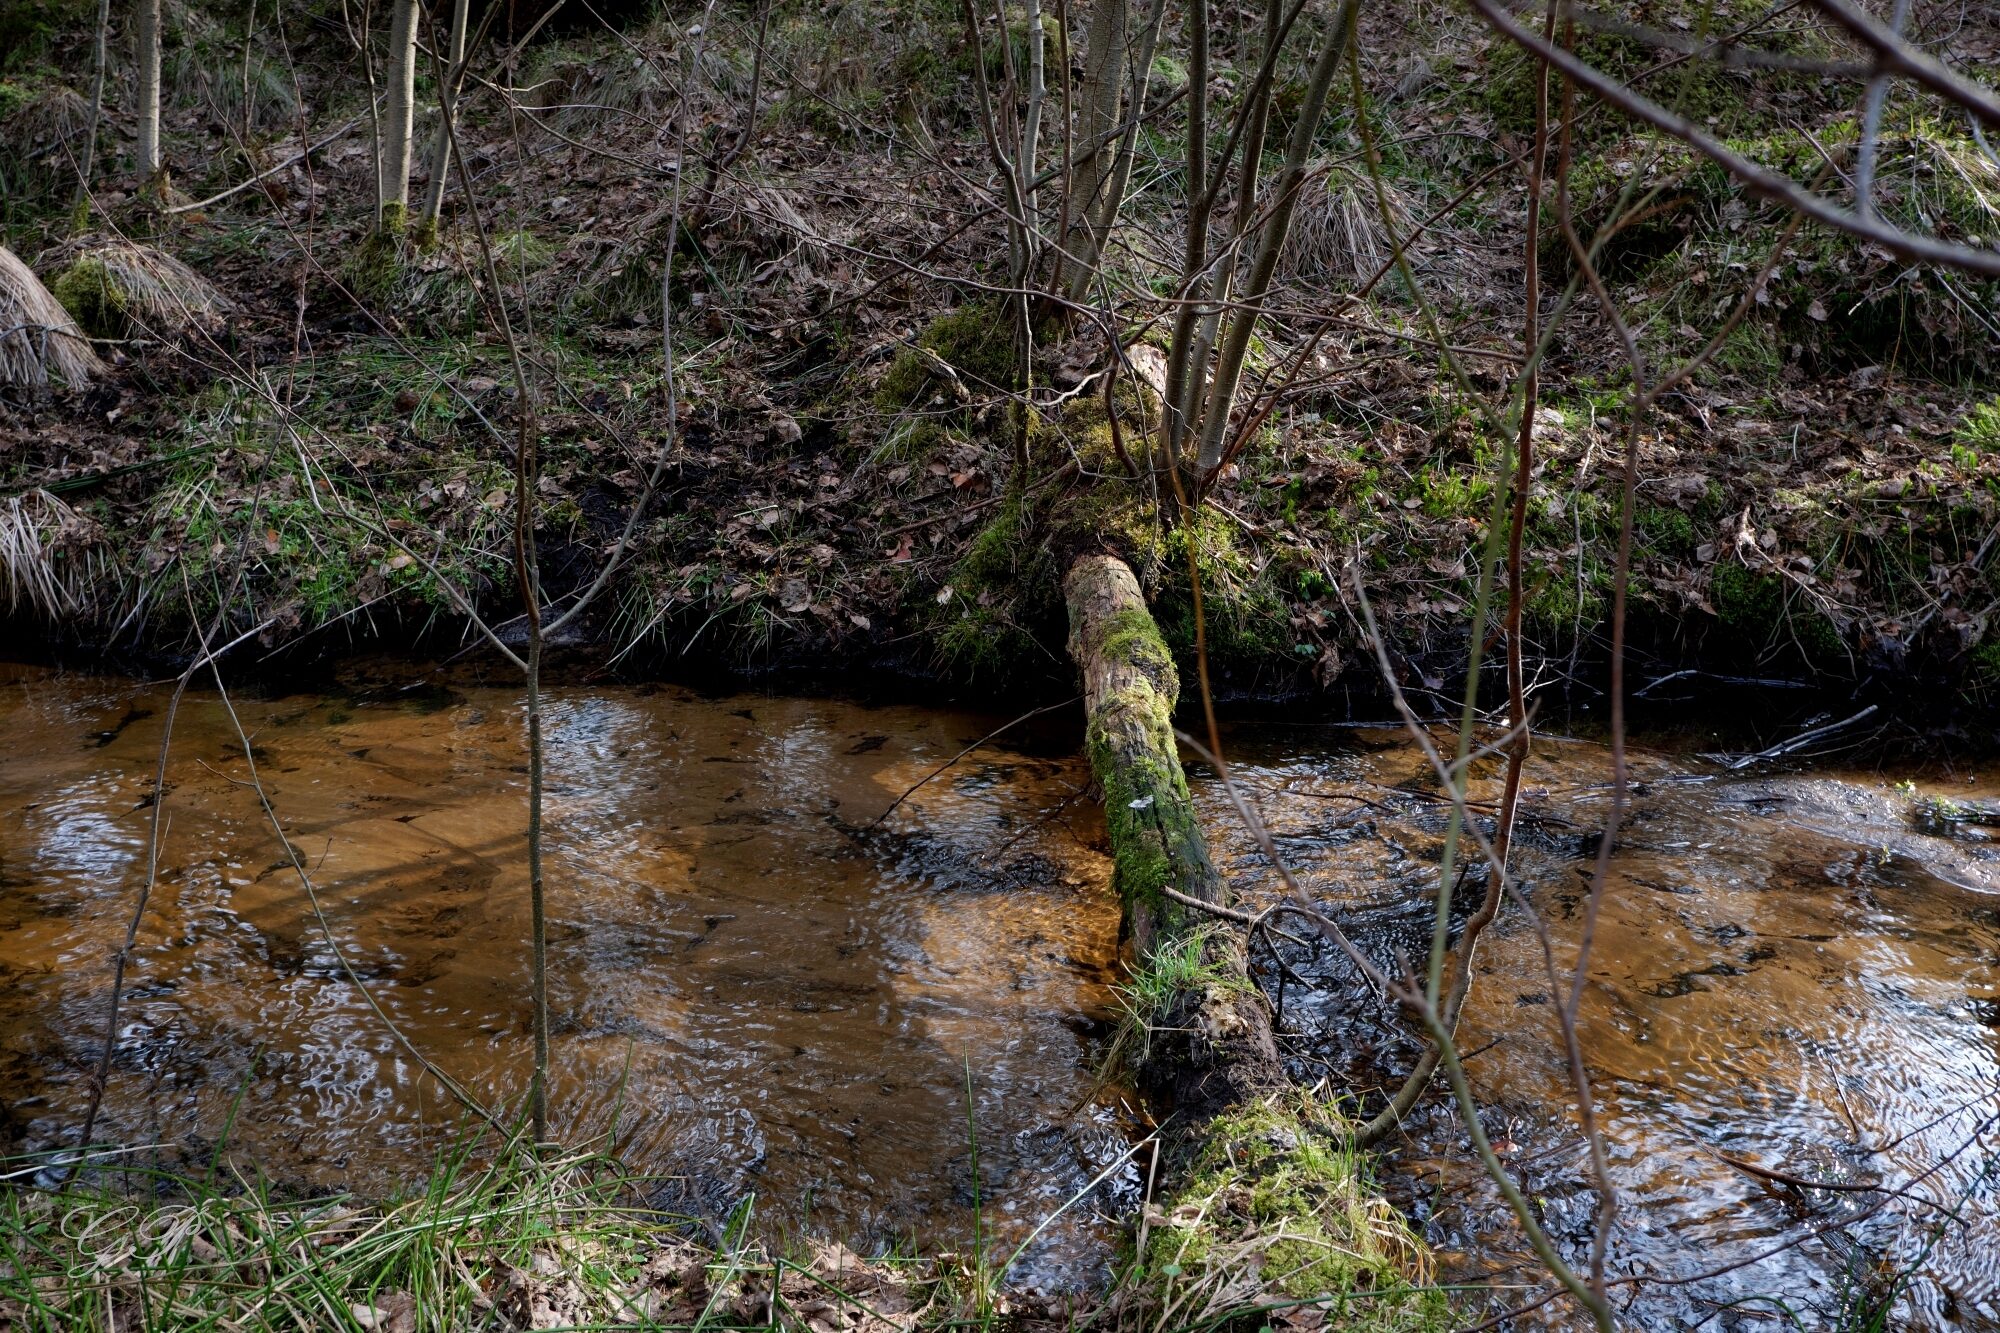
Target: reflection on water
<point x="761" y="998"/>
<point x="754" y="997"/>
<point x="1784" y="973"/>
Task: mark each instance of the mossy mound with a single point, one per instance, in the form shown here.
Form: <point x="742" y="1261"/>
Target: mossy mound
<point x="974" y="340"/>
<point x="124" y="290"/>
<point x="1277" y="1194"/>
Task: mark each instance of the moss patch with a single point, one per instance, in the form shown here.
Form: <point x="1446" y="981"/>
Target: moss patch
<point x="100" y="307"/>
<point x="1277" y="1190"/>
<point x="973" y="340"/>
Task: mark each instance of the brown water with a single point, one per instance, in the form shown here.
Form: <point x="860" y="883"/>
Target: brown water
<point x="759" y="1000"/>
<point x="765" y="1000"/>
<point x="1785" y="972"/>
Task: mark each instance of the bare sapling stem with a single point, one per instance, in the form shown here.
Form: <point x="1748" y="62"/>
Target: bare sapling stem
<point x="448" y="89"/>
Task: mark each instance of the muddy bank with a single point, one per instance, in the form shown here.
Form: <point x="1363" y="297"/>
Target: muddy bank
<point x="1911" y="705"/>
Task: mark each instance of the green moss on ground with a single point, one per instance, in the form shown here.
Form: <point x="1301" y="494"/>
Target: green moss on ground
<point x="975" y="340"/>
<point x="100" y="307"/>
<point x="1004" y="589"/>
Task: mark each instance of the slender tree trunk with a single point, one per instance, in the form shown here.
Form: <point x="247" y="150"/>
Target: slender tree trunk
<point x="1212" y="1049"/>
<point x="1031" y="126"/>
<point x="249" y="31"/>
<point x="1236" y="342"/>
<point x="86" y="159"/>
<point x="433" y="205"/>
<point x="1220" y="285"/>
<point x="1064" y="199"/>
<point x="146" y="31"/>
<point x="1103" y="85"/>
<point x="1187" y="361"/>
<point x="392" y="186"/>
<point x="1111" y="190"/>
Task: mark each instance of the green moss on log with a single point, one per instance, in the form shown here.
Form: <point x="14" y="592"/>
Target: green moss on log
<point x="1147" y="808"/>
<point x="1277" y="1189"/>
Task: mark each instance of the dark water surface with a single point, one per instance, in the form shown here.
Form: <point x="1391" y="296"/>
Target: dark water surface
<point x="763" y="998"/>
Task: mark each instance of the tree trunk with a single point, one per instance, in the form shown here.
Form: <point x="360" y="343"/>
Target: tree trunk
<point x="1103" y="87"/>
<point x="100" y="61"/>
<point x="392" y="186"/>
<point x="1236" y="342"/>
<point x="146" y="31"/>
<point x="433" y="206"/>
<point x="1210" y="1048"/>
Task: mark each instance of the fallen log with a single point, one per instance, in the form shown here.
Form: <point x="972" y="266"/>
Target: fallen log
<point x="1207" y="1044"/>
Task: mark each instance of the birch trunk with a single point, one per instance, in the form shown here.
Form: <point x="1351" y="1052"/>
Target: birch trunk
<point x="433" y="205"/>
<point x="146" y="30"/>
<point x="392" y="186"/>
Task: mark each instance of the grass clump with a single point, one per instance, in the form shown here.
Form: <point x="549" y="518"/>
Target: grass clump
<point x="190" y="1254"/>
<point x="1980" y="431"/>
<point x="1175" y="971"/>
<point x="122" y="290"/>
<point x="1277" y="1194"/>
<point x="569" y="1242"/>
<point x="39" y="342"/>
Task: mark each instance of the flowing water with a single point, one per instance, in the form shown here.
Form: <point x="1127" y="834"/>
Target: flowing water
<point x="749" y="991"/>
<point x="1785" y="972"/>
<point x="756" y="993"/>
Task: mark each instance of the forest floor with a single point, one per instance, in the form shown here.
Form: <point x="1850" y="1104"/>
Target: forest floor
<point x="1819" y="504"/>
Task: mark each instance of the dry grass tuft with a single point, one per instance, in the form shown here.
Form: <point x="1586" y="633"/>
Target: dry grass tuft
<point x="39" y="342"/>
<point x="120" y="289"/>
<point x="45" y="553"/>
<point x="1337" y="236"/>
<point x="49" y="122"/>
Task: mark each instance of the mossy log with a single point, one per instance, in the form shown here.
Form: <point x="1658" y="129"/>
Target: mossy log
<point x="1210" y="1046"/>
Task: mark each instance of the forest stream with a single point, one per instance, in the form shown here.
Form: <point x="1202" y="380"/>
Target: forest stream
<point x="759" y="994"/>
